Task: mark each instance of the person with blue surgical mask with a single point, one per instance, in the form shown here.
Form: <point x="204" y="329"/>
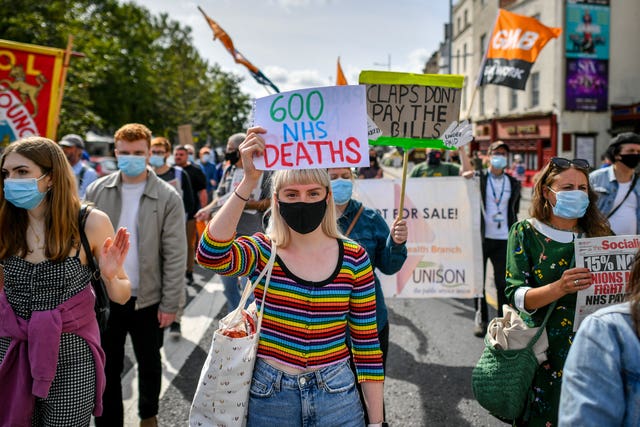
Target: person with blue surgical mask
<point x="51" y="361"/>
<point x="500" y="195"/>
<point x="134" y="197"/>
<point x="541" y="271"/>
<point x="386" y="248"/>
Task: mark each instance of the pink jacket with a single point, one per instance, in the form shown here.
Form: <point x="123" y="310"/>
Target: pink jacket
<point x="30" y="363"/>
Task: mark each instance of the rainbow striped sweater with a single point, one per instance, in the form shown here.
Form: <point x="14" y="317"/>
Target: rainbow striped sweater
<point x="304" y="323"/>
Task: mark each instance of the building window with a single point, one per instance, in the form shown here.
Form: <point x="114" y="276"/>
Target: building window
<point x="535" y="89"/>
<point x="464" y="57"/>
<point x="481" y="91"/>
<point x="459" y="25"/>
<point x="514" y="99"/>
<point x="483" y="45"/>
<point x="466" y="18"/>
<point x="458" y="61"/>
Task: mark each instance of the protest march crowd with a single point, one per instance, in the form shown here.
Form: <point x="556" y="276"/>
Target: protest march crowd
<point x="323" y="331"/>
<point x="306" y="255"/>
<point x="307" y="239"/>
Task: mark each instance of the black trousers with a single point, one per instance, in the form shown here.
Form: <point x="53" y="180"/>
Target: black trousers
<point x="146" y="337"/>
<point x="496" y="251"/>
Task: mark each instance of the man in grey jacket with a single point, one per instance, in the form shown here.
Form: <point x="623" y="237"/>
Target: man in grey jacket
<point x="152" y="211"/>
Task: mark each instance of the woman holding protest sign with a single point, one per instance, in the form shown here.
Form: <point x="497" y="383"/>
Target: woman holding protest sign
<point x="321" y="285"/>
<point x="541" y="269"/>
<point x="601" y="385"/>
<point x="386" y="249"/>
<point x="51" y="362"/>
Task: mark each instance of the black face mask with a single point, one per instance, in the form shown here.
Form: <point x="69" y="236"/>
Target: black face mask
<point x="434" y="158"/>
<point x="232" y="156"/>
<point x="630" y="160"/>
<point x="303" y="217"/>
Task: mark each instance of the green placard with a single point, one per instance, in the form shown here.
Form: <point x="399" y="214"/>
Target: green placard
<point x="412" y="110"/>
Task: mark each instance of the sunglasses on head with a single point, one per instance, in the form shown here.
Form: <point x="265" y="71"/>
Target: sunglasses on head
<point x="563" y="163"/>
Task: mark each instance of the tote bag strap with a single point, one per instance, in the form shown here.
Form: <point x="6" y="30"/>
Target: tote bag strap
<point x="250" y="287"/>
<point x="542" y="326"/>
<point x="268" y="268"/>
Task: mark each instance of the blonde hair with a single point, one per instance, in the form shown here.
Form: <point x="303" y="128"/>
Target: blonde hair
<point x="278" y="230"/>
<point x="62" y="203"/>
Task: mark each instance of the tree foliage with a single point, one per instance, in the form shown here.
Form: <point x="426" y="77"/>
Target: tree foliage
<point x="137" y="67"/>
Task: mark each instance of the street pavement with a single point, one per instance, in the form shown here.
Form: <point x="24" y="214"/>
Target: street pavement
<point x="431" y="355"/>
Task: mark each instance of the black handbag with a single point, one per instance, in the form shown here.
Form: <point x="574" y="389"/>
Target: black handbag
<point x="102" y="304"/>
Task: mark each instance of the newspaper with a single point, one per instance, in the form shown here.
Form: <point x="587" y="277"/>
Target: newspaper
<point x="609" y="259"/>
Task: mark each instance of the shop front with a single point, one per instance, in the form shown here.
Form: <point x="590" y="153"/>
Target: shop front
<point x="532" y="138"/>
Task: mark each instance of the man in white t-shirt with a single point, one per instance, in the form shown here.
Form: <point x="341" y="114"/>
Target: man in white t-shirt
<point x="152" y="211"/>
<point x="618" y="186"/>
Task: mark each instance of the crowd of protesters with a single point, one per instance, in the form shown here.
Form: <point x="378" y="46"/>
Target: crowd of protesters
<point x="56" y="370"/>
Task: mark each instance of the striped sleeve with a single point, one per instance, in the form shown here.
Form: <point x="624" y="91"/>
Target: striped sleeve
<point x="235" y="257"/>
<point x="363" y="329"/>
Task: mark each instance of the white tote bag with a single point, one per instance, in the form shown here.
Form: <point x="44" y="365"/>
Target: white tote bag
<point x="222" y="396"/>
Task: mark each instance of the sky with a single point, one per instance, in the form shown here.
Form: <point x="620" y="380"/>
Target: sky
<point x="296" y="43"/>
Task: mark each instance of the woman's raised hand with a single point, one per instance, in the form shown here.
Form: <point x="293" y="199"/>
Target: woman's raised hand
<point x="113" y="253"/>
<point x="253" y="145"/>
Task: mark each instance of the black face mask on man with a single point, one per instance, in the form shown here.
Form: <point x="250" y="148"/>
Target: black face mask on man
<point x="433" y="158"/>
<point x="630" y="160"/>
<point x="303" y="217"/>
<point x="232" y="156"/>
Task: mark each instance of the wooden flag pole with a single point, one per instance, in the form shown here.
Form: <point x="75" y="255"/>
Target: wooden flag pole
<point x="405" y="162"/>
<point x="473" y="96"/>
<point x="63" y="77"/>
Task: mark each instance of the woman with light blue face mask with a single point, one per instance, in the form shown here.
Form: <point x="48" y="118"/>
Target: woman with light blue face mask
<point x="541" y="270"/>
<point x="46" y="298"/>
<point x="386" y="248"/>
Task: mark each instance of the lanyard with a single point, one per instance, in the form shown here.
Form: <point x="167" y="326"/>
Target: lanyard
<point x="496" y="199"/>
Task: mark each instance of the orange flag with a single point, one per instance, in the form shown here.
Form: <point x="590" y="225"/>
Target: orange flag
<point x="514" y="46"/>
<point x="225" y="39"/>
<point x="341" y="80"/>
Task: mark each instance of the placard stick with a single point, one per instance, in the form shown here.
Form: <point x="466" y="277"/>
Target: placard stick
<point x="65" y="66"/>
<point x="405" y="162"/>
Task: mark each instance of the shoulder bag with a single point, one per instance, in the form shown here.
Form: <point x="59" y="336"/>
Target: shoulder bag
<point x="222" y="395"/>
<point x="102" y="304"/>
<point x="502" y="378"/>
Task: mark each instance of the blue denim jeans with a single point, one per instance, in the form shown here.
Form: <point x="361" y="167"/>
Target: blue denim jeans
<point x="324" y="398"/>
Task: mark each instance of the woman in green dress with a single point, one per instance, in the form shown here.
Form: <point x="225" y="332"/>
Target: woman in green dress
<point x="541" y="269"/>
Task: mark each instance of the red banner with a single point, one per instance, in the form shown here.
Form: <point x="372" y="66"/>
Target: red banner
<point x="29" y="90"/>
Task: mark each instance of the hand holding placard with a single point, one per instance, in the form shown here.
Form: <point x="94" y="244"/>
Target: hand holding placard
<point x="458" y="134"/>
<point x="313" y="128"/>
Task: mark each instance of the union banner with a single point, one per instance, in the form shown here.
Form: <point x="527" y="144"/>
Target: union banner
<point x="514" y="46"/>
<point x="29" y="90"/>
<point x="444" y="245"/>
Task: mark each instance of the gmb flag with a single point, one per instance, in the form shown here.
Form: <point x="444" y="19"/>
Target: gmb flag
<point x="514" y="46"/>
